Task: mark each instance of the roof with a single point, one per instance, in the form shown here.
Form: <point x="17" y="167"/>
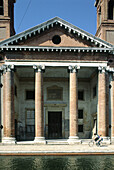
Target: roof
<point x="14" y="40"/>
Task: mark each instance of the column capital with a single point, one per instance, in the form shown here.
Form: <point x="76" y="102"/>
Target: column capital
<point x="110" y="69"/>
<point x="1" y="70"/>
<point x="10" y="68"/>
<point x="102" y="69"/>
<point x="113" y="76"/>
<point x="73" y="69"/>
<point x="6" y="68"/>
<point x="39" y="68"/>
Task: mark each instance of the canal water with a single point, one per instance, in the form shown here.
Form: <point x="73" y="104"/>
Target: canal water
<point x="57" y="162"/>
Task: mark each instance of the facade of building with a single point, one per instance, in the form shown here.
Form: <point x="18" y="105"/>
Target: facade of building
<point x="57" y="82"/>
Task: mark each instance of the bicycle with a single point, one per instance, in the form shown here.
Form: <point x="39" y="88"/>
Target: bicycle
<point x="93" y="142"/>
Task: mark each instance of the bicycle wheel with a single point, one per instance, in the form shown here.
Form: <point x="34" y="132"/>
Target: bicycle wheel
<point x="91" y="143"/>
<point x="101" y="143"/>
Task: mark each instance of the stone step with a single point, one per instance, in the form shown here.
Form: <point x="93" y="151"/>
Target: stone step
<point x="56" y="142"/>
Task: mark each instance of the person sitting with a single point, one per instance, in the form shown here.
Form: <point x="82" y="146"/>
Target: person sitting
<point x="96" y="138"/>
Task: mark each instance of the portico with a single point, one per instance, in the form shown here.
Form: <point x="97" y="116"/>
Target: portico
<point x="56" y="87"/>
<point x="47" y="81"/>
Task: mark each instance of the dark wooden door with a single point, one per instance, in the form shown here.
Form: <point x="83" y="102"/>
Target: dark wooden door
<point x="54" y="125"/>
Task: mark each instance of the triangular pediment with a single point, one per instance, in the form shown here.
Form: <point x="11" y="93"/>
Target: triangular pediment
<point x="41" y="35"/>
<point x="48" y="38"/>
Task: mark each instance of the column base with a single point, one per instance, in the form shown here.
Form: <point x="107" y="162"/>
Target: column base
<point x="8" y="140"/>
<point x="112" y="140"/>
<point x="40" y="140"/>
<point x="74" y="140"/>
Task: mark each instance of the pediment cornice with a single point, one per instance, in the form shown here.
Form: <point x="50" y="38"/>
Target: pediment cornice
<point x="12" y="48"/>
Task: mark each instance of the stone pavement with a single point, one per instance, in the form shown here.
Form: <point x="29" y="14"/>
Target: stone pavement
<point x="55" y="149"/>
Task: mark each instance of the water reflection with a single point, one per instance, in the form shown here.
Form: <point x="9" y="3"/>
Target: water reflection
<point x="57" y="162"/>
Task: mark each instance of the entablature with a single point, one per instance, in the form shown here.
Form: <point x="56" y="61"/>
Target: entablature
<point x="56" y="49"/>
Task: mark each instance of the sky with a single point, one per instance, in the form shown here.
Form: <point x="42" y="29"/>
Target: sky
<point x="29" y="13"/>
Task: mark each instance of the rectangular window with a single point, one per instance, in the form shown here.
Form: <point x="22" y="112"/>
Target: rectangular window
<point x="30" y="95"/>
<point x="94" y="91"/>
<point x="81" y="95"/>
<point x="1" y="7"/>
<point x="30" y="121"/>
<point x="80" y="114"/>
<point x="80" y="128"/>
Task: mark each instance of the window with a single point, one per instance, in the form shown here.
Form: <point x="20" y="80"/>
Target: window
<point x="81" y="95"/>
<point x="80" y="114"/>
<point x="30" y="95"/>
<point x="56" y="39"/>
<point x="1" y="7"/>
<point x="30" y="121"/>
<point x="80" y="128"/>
<point x="111" y="10"/>
<point x="94" y="91"/>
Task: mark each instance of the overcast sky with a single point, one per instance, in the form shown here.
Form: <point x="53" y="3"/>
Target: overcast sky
<point x="80" y="13"/>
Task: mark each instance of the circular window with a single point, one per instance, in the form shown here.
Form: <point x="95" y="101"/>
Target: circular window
<point x="56" y="39"/>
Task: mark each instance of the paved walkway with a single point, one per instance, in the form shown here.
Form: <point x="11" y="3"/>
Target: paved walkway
<point x="55" y="149"/>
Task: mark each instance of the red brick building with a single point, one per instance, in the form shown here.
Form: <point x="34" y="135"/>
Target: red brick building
<point x="58" y="80"/>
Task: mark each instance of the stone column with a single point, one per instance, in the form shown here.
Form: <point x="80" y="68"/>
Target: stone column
<point x="112" y="110"/>
<point x="73" y="138"/>
<point x="39" y="114"/>
<point x="8" y="109"/>
<point x="102" y="110"/>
